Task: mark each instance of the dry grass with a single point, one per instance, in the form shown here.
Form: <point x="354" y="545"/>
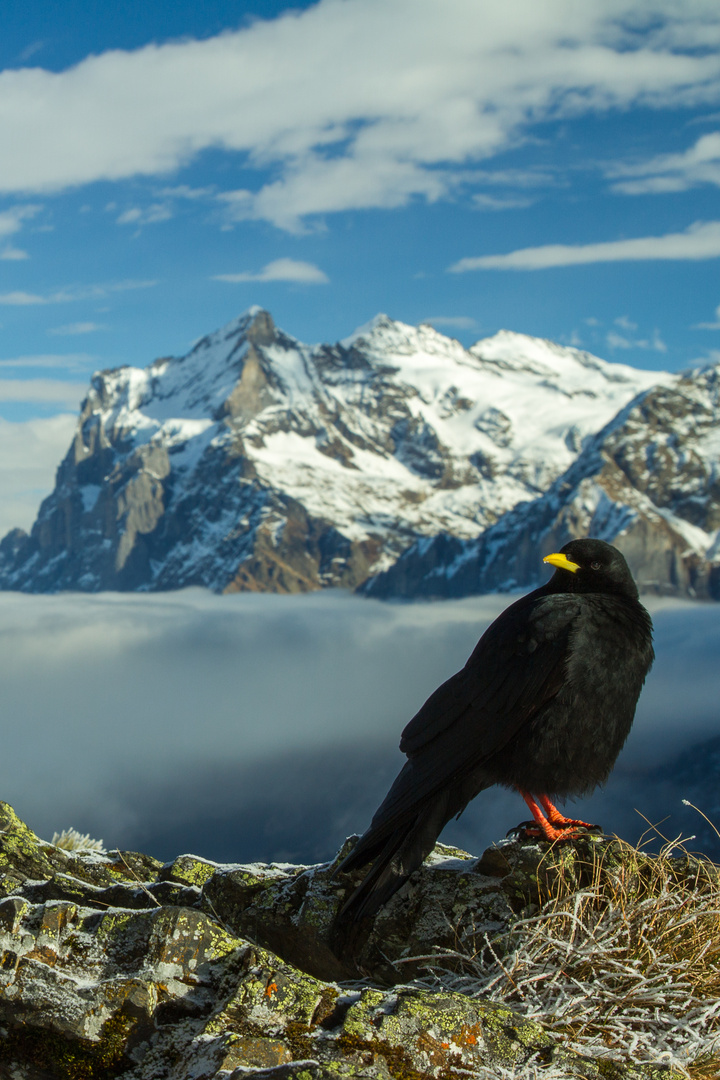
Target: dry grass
<point x="72" y="840"/>
<point x="626" y="967"/>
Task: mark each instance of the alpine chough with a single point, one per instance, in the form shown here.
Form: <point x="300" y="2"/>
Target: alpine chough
<point x="544" y="705"/>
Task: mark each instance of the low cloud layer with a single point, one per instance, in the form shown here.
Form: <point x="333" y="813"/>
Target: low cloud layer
<point x="267" y="726"/>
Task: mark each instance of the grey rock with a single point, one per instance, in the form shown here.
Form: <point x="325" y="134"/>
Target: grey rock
<point x="153" y="982"/>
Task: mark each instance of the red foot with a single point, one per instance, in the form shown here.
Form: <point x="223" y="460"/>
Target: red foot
<point x="556" y="818"/>
<point x="568" y="827"/>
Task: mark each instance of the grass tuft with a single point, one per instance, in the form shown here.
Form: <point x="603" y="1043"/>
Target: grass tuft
<point x="72" y="840"/>
<point x="625" y="967"/>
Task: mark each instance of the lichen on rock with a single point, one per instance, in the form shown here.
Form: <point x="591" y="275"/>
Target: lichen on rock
<point x="114" y="965"/>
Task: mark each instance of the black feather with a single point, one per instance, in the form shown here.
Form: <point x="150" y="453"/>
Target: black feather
<point x="544" y="703"/>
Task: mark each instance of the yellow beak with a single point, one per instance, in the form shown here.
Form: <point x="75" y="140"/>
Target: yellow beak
<point x="563" y="562"/>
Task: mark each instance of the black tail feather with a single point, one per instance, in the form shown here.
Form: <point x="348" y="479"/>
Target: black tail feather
<point x="403" y="852"/>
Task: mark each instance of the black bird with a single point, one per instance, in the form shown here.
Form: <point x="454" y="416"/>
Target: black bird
<point x="544" y="704"/>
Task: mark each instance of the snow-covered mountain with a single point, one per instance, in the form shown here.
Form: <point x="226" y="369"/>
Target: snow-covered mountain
<point x="257" y="462"/>
<point x="649" y="482"/>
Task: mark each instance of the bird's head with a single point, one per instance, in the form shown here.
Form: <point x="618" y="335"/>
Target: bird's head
<point x="591" y="566"/>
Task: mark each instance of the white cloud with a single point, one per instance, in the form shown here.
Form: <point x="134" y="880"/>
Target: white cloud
<point x="18" y="298"/>
<point x="184" y="191"/>
<point x="66" y="361"/>
<point x="29" y="455"/>
<point x="456" y="322"/>
<point x="620" y="341"/>
<point x="625" y="322"/>
<point x="11" y="221"/>
<point x="303" y="273"/>
<point x="65" y="394"/>
<point x="494" y="202"/>
<point x="699" y="241"/>
<point x="148" y="215"/>
<point x="354" y="103"/>
<point x="77" y="328"/>
<point x="671" y="172"/>
<point x="709" y="325"/>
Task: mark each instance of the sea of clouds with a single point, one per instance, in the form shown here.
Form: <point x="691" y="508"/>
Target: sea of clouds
<point x="266" y="727"/>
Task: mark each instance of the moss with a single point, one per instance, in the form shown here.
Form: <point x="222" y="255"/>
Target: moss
<point x="20" y="848"/>
<point x="71" y="1059"/>
<point x="398" y="1061"/>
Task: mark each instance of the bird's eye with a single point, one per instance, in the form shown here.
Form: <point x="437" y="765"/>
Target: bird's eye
<point x="595" y="565"/>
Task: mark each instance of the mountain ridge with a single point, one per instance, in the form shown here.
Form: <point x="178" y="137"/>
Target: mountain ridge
<point x="258" y="462"/>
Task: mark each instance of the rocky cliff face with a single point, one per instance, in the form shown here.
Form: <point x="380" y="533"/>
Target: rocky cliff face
<point x="259" y="463"/>
<point x="649" y="483"/>
<point x="115" y="965"/>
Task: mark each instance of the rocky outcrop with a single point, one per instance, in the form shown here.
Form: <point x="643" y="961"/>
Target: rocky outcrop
<point x="258" y="463"/>
<point x="115" y="965"/>
<point x="648" y="483"/>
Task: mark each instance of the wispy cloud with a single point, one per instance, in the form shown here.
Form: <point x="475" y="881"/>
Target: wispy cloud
<point x="14" y="254"/>
<point x="698" y="165"/>
<point x="65" y="394"/>
<point x="19" y="298"/>
<point x="77" y="328"/>
<point x="715" y="325"/>
<point x="12" y="220"/>
<point x="294" y="270"/>
<point x="66" y="361"/>
<point x="184" y="191"/>
<point x="623" y="341"/>
<point x="698" y="241"/>
<point x="462" y="80"/>
<point x="148" y="215"/>
<point x="453" y="322"/>
<point x="498" y="202"/>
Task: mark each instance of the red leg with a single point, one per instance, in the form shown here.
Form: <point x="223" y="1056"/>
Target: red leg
<point x="556" y="818"/>
<point x="568" y="829"/>
<point x="544" y="827"/>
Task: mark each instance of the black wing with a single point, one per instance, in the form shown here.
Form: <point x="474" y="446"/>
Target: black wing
<point x="518" y="665"/>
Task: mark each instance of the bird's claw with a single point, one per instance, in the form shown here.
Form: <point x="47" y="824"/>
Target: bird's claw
<point x="573" y="830"/>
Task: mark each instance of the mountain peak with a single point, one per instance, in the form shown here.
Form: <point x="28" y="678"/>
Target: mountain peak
<point x="258" y="462"/>
<point x="368" y="330"/>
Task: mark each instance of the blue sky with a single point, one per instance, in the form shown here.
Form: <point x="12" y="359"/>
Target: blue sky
<point x="549" y="168"/>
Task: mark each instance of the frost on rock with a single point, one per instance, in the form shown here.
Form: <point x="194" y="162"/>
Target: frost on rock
<point x="588" y="961"/>
<point x="256" y="462"/>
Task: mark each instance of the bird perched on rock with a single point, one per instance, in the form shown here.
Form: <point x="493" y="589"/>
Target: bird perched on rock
<point x="544" y="704"/>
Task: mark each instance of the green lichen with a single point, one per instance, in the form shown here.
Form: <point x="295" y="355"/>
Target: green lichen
<point x="510" y="1038"/>
<point x="20" y="848"/>
<point x="190" y="870"/>
<point x="114" y="924"/>
<point x="71" y="1059"/>
<point x="358" y="1022"/>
